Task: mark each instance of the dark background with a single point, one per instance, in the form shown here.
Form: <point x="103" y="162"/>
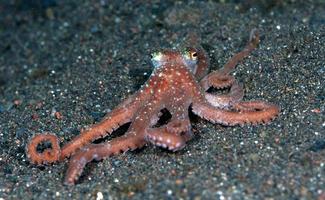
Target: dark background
<point x="81" y="58"/>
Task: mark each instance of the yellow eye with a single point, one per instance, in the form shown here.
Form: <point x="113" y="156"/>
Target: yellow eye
<point x="193" y="55"/>
<point x="190" y="54"/>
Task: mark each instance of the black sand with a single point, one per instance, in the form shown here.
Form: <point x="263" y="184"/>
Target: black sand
<point x="82" y="59"/>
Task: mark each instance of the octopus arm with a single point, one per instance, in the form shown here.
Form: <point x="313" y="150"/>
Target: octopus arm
<point x="233" y="61"/>
<point x="162" y="138"/>
<point x="179" y="125"/>
<point x="119" y="116"/>
<point x="234" y="96"/>
<point x="217" y="80"/>
<point x="254" y="112"/>
<point x="99" y="152"/>
<point x="180" y="121"/>
<point x="221" y="78"/>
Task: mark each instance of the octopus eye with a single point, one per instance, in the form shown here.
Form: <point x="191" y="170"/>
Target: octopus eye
<point x="193" y="55"/>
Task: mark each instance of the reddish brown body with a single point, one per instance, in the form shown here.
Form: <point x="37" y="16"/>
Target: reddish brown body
<point x="173" y="86"/>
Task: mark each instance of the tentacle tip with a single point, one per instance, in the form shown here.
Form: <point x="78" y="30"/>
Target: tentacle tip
<point x="72" y="176"/>
<point x="69" y="182"/>
<point x="177" y="148"/>
<point x="254" y="37"/>
<point x="35" y="162"/>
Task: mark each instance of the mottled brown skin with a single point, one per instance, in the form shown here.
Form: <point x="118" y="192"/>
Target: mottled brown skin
<point x="173" y="86"/>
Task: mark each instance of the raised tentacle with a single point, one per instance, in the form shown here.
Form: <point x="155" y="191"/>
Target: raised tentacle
<point x="162" y="138"/>
<point x="221" y="77"/>
<point x="259" y="112"/>
<point x="254" y="40"/>
<point x="119" y="116"/>
<point x="99" y="152"/>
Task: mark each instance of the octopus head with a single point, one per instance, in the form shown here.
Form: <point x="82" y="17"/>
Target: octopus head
<point x="188" y="58"/>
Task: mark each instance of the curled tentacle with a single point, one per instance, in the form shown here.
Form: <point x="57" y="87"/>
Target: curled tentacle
<point x="48" y="155"/>
<point x="116" y="118"/>
<point x="235" y="95"/>
<point x="103" y="128"/>
<point x="216" y="80"/>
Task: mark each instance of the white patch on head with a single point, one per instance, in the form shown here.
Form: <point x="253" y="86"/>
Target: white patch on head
<point x="156" y="59"/>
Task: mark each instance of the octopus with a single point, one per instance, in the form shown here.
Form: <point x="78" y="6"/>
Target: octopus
<point x="179" y="84"/>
